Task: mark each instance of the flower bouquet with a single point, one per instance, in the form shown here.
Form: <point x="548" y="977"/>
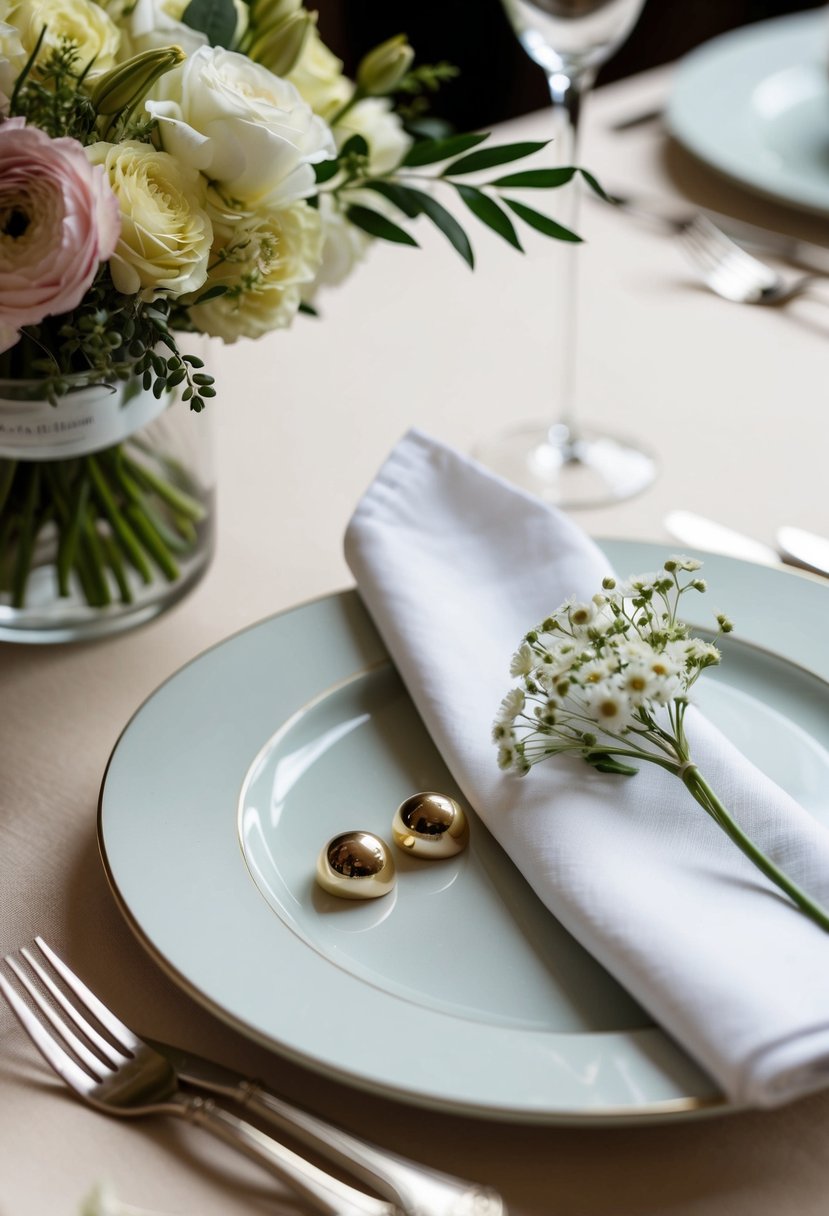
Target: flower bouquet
<point x="168" y="170"/>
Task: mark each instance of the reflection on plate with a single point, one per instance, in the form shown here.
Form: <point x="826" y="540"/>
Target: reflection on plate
<point x="754" y="104"/>
<point x="224" y="786"/>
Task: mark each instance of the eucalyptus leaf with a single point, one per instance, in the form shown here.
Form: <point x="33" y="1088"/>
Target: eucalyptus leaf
<point x="216" y="19"/>
<point x="377" y="225"/>
<point x="536" y="179"/>
<point x="595" y="186"/>
<point x="488" y="158"/>
<point x="448" y="225"/>
<point x="429" y="151"/>
<point x="541" y="222"/>
<point x="489" y="213"/>
<point x="403" y="197"/>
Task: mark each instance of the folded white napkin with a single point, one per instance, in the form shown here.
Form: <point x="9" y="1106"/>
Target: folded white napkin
<point x="454" y="566"/>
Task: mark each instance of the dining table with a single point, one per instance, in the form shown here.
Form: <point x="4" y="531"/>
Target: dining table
<point x="730" y="399"/>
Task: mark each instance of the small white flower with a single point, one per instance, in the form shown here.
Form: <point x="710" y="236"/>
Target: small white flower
<point x="610" y="707"/>
<point x="511" y="706"/>
<point x="678" y="561"/>
<point x="596" y="669"/>
<point x="523" y="661"/>
<point x="699" y="653"/>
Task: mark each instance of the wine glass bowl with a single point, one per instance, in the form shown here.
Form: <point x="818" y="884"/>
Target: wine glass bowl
<point x="572" y="35"/>
<point x="559" y="460"/>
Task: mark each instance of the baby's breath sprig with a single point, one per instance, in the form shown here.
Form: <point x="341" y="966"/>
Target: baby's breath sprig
<point x="609" y="679"/>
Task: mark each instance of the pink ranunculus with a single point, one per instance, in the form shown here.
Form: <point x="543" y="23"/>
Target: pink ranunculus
<point x="59" y="219"/>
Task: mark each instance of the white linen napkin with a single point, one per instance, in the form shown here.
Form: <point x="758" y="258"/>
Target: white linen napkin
<point x="454" y="566"/>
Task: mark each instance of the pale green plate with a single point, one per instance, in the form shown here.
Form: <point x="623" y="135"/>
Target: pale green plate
<point x="754" y="104"/>
<point x="459" y="991"/>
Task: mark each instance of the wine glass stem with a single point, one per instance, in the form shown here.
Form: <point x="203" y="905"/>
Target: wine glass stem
<point x="567" y="91"/>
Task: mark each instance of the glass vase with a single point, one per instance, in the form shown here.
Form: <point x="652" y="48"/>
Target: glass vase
<point x="106" y="507"/>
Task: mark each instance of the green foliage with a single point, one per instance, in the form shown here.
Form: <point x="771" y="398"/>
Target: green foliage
<point x="411" y="187"/>
<point x="50" y="95"/>
<point x="216" y="19"/>
<point x="109" y="337"/>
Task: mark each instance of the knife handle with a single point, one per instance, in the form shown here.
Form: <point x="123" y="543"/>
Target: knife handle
<point x="417" y="1189"/>
<point x="325" y="1194"/>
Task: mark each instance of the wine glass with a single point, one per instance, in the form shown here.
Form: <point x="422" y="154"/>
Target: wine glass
<point x="561" y="461"/>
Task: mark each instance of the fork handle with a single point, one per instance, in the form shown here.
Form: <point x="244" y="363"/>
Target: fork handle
<point x="419" y="1190"/>
<point x="326" y="1194"/>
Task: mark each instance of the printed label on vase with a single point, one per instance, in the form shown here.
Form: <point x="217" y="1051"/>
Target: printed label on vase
<point x="82" y="422"/>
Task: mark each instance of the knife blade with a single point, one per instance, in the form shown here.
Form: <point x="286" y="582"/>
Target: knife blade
<point x="417" y="1189"/>
<point x="805" y="549"/>
<point x="702" y="533"/>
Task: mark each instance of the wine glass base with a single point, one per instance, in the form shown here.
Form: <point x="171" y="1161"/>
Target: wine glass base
<point x="585" y="470"/>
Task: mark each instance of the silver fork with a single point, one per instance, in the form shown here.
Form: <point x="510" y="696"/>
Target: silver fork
<point x="732" y="272"/>
<point x="414" y="1188"/>
<point x="144" y="1083"/>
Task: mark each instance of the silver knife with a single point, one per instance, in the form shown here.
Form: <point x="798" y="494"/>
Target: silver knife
<point x="803" y="548"/>
<point x="417" y="1189"/>
<point x="798" y="548"/>
<point x="674" y="217"/>
<point x="702" y="533"/>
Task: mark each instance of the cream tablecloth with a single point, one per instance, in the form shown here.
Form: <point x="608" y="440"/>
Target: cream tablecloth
<point x="733" y="401"/>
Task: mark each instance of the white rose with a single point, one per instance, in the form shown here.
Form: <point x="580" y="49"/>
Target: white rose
<point x="150" y="24"/>
<point x="244" y="128"/>
<point x="166" y="234"/>
<point x="318" y="75"/>
<point x="81" y="22"/>
<point x="264" y="264"/>
<point x="381" y="128"/>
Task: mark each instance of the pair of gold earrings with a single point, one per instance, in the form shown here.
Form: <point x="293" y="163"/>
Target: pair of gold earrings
<point x="360" y="865"/>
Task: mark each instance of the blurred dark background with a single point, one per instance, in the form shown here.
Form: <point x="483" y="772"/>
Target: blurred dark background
<point x="497" y="79"/>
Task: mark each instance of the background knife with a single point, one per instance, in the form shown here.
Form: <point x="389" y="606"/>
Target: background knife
<point x="702" y="533"/>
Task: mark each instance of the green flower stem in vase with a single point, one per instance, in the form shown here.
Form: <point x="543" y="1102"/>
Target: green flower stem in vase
<point x="111" y="533"/>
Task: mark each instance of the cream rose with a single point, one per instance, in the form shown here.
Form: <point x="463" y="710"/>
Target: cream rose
<point x="248" y="131"/>
<point x="82" y="22"/>
<point x="166" y="233"/>
<point x="264" y="265"/>
<point x="12" y="56"/>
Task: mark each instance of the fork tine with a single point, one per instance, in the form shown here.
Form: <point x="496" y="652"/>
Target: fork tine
<point x="86" y="1057"/>
<point x="49" y="1048"/>
<point x="97" y="1040"/>
<point x="121" y="1033"/>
